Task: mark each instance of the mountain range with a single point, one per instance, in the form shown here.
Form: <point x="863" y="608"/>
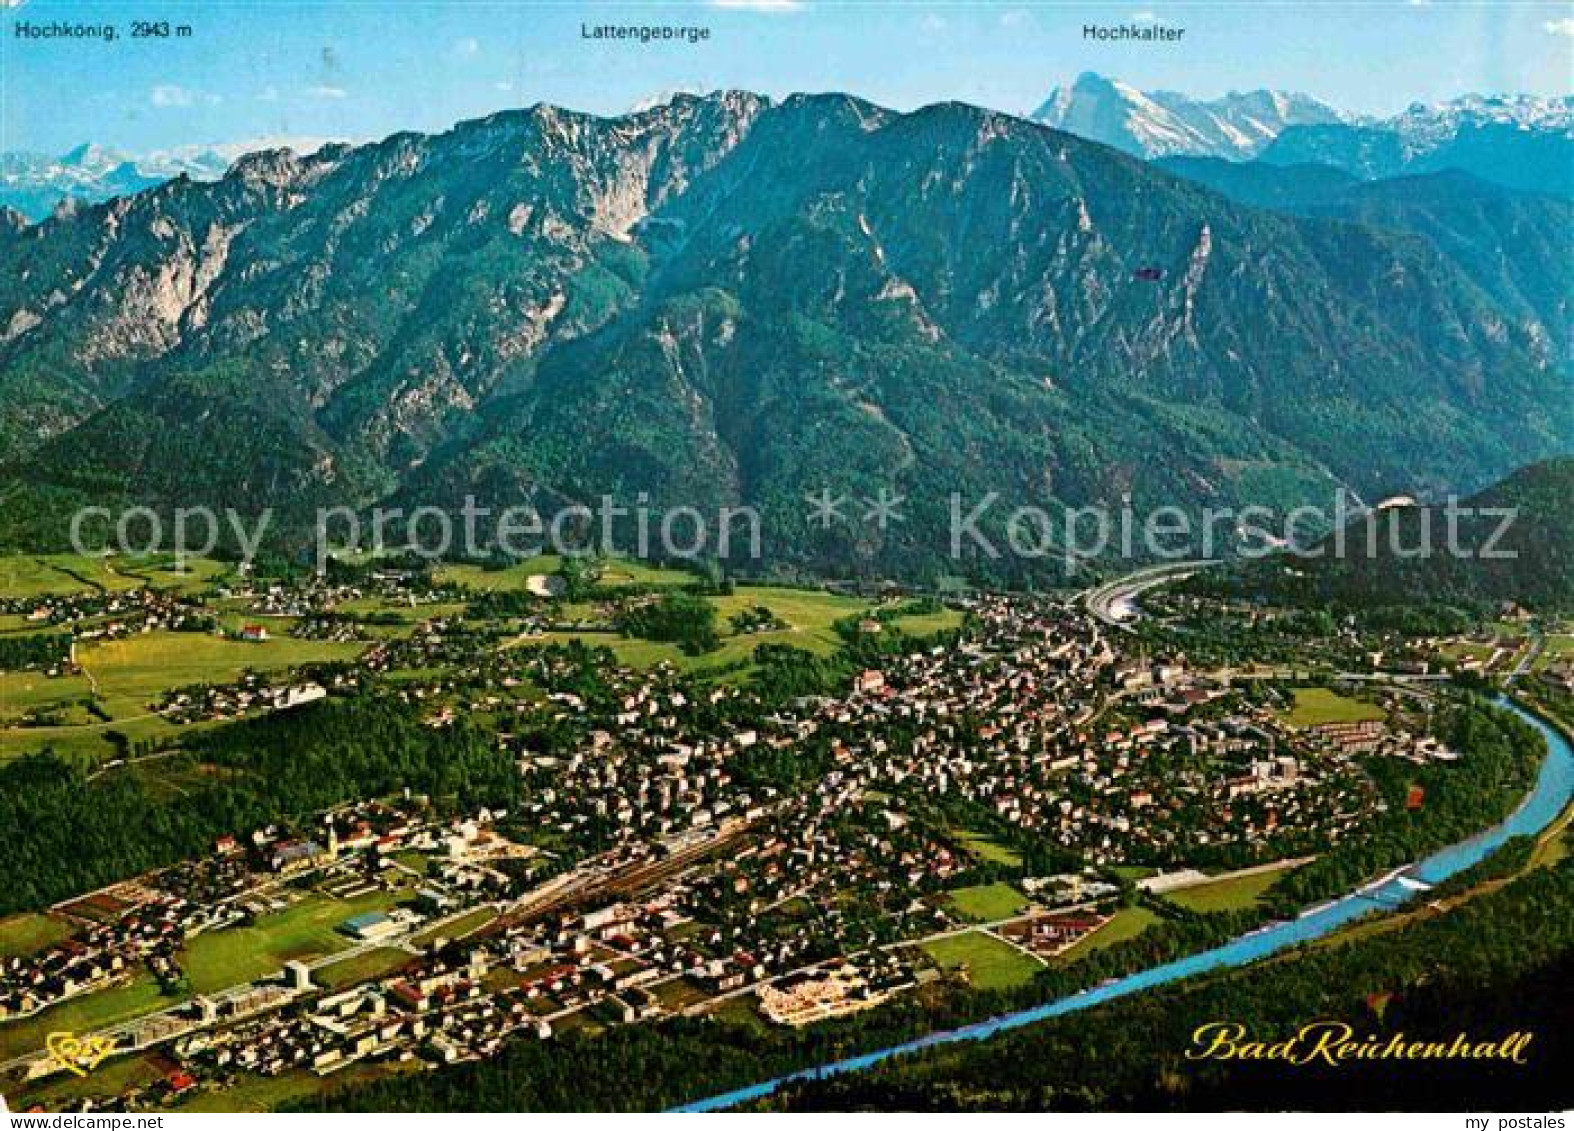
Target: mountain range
<point x="1521" y="141"/>
<point x="1517" y="246"/>
<point x="1163" y="123"/>
<point x="1514" y="536"/>
<point x="35" y="184"/>
<point x="726" y="300"/>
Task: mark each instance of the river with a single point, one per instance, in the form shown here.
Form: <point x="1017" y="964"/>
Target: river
<point x="1551" y="794"/>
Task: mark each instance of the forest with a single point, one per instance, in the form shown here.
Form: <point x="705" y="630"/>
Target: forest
<point x="69" y="834"/>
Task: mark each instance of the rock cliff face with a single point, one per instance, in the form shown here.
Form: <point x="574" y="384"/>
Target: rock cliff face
<point x="724" y="299"/>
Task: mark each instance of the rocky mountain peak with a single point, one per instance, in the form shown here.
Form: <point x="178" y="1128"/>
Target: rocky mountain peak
<point x="1159" y="123"/>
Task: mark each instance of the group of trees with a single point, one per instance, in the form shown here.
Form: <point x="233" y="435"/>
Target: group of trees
<point x="677" y="617"/>
<point x="38" y="650"/>
<point x="66" y="833"/>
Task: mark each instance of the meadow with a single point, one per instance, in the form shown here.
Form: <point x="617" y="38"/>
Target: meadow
<point x="989" y="963"/>
<point x="989" y="850"/>
<point x="85" y="1014"/>
<point x="126" y="678"/>
<point x="1127" y="923"/>
<point x="1230" y="893"/>
<point x="1315" y="706"/>
<point x="23" y="575"/>
<point x="21" y="935"/>
<point x="216" y="960"/>
<point x="987" y="903"/>
<point x="809" y="616"/>
<point x="378" y="962"/>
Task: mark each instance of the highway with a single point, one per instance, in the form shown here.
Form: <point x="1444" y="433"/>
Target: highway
<point x="1114" y="602"/>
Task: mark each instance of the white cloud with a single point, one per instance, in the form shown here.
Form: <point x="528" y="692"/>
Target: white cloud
<point x="505" y="86"/>
<point x="1015" y="18"/>
<point x="933" y="23"/>
<point x="167" y="95"/>
<point x="268" y="94"/>
<point x="1564" y="26"/>
<point x="772" y="6"/>
<point x="467" y="48"/>
<point x="1145" y="17"/>
<point x="325" y="91"/>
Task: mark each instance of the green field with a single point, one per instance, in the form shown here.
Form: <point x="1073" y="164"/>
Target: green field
<point x="987" y="903"/>
<point x="362" y="967"/>
<point x="1557" y="648"/>
<point x="62" y="574"/>
<point x="468" y="923"/>
<point x="990" y="964"/>
<point x="1127" y="923"/>
<point x="986" y="849"/>
<point x="497" y="580"/>
<point x="614" y="572"/>
<point x="85" y="1014"/>
<point x="1231" y="894"/>
<point x="216" y="960"/>
<point x="928" y="624"/>
<point x="1317" y="705"/>
<point x="248" y="1093"/>
<point x="809" y="614"/>
<point x="130" y="675"/>
<point x="28" y="934"/>
<point x="105" y="1082"/>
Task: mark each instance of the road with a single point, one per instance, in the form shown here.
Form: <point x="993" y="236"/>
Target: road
<point x="1114" y="602"/>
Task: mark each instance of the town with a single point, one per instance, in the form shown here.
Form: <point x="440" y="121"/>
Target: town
<point x="982" y="787"/>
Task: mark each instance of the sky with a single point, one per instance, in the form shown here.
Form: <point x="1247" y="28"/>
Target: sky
<point x="361" y="69"/>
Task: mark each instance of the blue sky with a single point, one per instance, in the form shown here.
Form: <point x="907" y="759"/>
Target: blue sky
<point x="361" y="69"/>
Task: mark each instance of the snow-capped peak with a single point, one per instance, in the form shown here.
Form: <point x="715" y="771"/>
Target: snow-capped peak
<point x="1160" y="123"/>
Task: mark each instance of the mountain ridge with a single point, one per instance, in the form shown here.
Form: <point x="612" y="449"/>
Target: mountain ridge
<point x="751" y="300"/>
<point x="1163" y="123"/>
<point x="1522" y="141"/>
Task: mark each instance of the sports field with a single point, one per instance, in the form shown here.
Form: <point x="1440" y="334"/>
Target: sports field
<point x="216" y="960"/>
<point x="1317" y="705"/>
<point x="987" y="903"/>
<point x="989" y="963"/>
